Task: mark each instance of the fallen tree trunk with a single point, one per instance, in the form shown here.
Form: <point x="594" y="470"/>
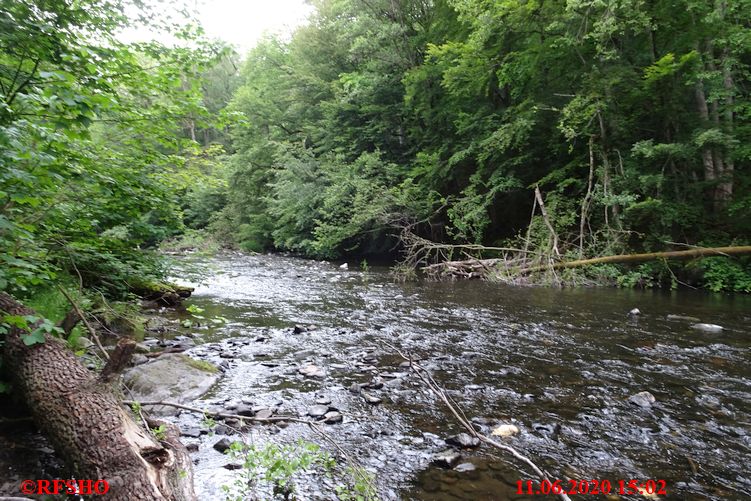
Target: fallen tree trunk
<point x="640" y="258"/>
<point x="88" y="425"/>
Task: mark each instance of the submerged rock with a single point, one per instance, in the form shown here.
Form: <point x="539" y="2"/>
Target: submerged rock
<point x="465" y="467"/>
<point x="311" y="370"/>
<point x="707" y="327"/>
<point x="506" y="430"/>
<point x="683" y="317"/>
<point x="642" y="399"/>
<point x="463" y="440"/>
<point x="635" y="312"/>
<point x="446" y="459"/>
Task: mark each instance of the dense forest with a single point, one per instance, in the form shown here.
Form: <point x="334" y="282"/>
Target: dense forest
<point x="579" y="129"/>
<point x="630" y="117"/>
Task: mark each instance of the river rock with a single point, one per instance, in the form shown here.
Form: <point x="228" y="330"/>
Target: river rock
<point x="311" y="370"/>
<point x="446" y="459"/>
<point x="635" y="312"/>
<point x="298" y="329"/>
<point x="642" y="399"/>
<point x="713" y="328"/>
<point x="264" y="413"/>
<point x="465" y="467"/>
<point x="464" y="441"/>
<point x="318" y="411"/>
<point x="223" y="445"/>
<point x="233" y="466"/>
<point x="322" y="400"/>
<point x="506" y="430"/>
<point x="333" y="417"/>
<point x="172" y="377"/>
<point x="371" y="399"/>
<point x="344" y="266"/>
<point x="244" y="410"/>
<point x="683" y="317"/>
<point x="190" y="431"/>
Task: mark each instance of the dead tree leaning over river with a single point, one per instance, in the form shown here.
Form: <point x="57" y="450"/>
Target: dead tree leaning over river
<point x="86" y="422"/>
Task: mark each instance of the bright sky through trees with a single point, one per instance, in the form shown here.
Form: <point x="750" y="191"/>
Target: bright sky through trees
<point x="243" y="22"/>
<point x="240" y="23"/>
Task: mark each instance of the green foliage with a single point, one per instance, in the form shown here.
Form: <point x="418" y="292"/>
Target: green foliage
<point x="726" y="274"/>
<point x="160" y="432"/>
<point x="274" y="466"/>
<point x="88" y="146"/>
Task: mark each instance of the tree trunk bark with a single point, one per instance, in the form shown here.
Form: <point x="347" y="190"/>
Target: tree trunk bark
<point x="87" y="424"/>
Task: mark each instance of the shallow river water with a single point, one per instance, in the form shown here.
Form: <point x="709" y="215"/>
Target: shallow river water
<point x="559" y="364"/>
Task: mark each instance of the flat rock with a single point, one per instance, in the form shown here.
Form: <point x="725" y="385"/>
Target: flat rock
<point x="333" y="417"/>
<point x="323" y="400"/>
<point x="318" y="411"/>
<point x="707" y="327"/>
<point x="642" y="399"/>
<point x="463" y="440"/>
<point x="506" y="430"/>
<point x="371" y="399"/>
<point x="264" y="413"/>
<point x="190" y="431"/>
<point x="172" y="377"/>
<point x="446" y="459"/>
<point x="311" y="370"/>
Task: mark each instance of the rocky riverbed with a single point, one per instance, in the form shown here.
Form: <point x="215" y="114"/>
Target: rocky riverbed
<point x="582" y="387"/>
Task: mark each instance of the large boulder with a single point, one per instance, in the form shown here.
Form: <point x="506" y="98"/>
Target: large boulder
<point x="173" y="377"/>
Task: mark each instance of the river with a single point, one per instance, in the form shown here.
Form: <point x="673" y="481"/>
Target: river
<point x="559" y="364"/>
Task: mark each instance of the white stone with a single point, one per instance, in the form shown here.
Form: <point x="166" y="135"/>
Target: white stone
<point x="506" y="430"/>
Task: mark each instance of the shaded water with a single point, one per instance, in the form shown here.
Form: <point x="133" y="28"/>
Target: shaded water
<point x="560" y="364"/>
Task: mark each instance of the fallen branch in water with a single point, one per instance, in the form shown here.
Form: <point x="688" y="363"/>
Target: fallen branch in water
<point x="640" y="258"/>
<point x="426" y="378"/>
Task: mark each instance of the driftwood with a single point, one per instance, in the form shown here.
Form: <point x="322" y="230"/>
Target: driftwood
<point x="520" y="266"/>
<point x="88" y="425"/>
<point x="641" y="258"/>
